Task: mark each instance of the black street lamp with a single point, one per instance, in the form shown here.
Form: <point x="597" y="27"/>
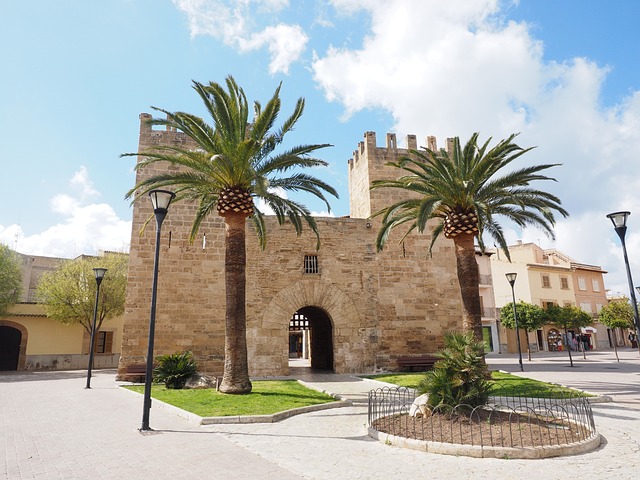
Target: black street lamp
<point x="619" y="220"/>
<point x="511" y="278"/>
<point x="160" y="199"/>
<point x="99" y="274"/>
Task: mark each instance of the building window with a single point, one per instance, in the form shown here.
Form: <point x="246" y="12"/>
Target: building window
<point x="311" y="264"/>
<point x="104" y="342"/>
<point x="585" y="307"/>
<point x="546" y="281"/>
<point x="546" y="304"/>
<point x="599" y="307"/>
<point x="595" y="284"/>
<point x="582" y="284"/>
<point x="564" y="283"/>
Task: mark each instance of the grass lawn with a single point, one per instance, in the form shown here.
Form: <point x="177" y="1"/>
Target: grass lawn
<point x="504" y="384"/>
<point x="267" y="397"/>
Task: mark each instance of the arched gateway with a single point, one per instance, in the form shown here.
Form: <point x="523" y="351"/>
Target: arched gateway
<point x="311" y="337"/>
<point x="326" y="313"/>
<point x="13" y="345"/>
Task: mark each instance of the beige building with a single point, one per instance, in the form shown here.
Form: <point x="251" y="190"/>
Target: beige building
<point x="29" y="340"/>
<point x="550" y="277"/>
<point x="490" y="330"/>
<point x="360" y="309"/>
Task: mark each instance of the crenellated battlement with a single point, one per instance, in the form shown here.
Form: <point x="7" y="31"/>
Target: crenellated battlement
<point x="369" y="163"/>
<point x="369" y="146"/>
<point x="150" y="138"/>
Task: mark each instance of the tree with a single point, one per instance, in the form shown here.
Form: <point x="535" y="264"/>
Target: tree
<point x="567" y="317"/>
<point x="466" y="191"/>
<point x="234" y="164"/>
<point x="617" y="314"/>
<point x="10" y="278"/>
<point x="68" y="292"/>
<point x="530" y="317"/>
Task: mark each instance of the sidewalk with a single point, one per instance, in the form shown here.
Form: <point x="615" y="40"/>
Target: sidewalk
<point x="52" y="428"/>
<point x="599" y="373"/>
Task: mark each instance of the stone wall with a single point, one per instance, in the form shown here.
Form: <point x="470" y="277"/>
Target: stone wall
<point x="380" y="305"/>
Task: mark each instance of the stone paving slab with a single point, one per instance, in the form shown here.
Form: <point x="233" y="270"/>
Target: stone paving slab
<point x="52" y="428"/>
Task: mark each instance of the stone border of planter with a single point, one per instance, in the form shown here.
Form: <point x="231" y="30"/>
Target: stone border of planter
<point x="478" y="451"/>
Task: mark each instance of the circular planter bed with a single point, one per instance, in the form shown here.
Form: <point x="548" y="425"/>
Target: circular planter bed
<point x="506" y="428"/>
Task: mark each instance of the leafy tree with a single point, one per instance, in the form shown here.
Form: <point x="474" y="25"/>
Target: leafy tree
<point x="530" y="318"/>
<point x="69" y="292"/>
<point x="466" y="191"/>
<point x="567" y="317"/>
<point x="235" y="163"/>
<point x="460" y="377"/>
<point x="10" y="278"/>
<point x="617" y="314"/>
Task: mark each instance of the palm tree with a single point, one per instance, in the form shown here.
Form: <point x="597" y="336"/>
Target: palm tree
<point x="465" y="190"/>
<point x="234" y="163"/>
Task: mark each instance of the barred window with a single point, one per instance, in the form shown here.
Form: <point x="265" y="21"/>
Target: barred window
<point x="311" y="264"/>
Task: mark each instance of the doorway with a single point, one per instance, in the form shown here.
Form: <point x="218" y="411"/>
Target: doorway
<point x="311" y="339"/>
<point x="10" y="340"/>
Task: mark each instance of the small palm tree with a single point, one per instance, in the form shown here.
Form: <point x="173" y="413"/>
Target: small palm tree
<point x="235" y="162"/>
<point x="466" y="191"/>
<point x="460" y="377"/>
<point x="174" y="370"/>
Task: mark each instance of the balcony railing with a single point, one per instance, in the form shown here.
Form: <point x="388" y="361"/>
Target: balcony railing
<point x="485" y="279"/>
<point x="489" y="312"/>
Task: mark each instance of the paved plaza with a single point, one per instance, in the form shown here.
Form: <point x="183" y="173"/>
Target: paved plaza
<point x="53" y="428"/>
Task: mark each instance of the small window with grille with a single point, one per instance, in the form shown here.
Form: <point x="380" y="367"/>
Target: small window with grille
<point x="311" y="264"/>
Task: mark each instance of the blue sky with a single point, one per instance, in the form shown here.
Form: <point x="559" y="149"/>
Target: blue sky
<point x="77" y="74"/>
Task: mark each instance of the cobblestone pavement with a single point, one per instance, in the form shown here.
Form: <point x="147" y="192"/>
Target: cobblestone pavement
<point x="52" y="428"/>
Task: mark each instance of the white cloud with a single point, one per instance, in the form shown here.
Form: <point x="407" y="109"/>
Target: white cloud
<point x="235" y="24"/>
<point x="285" y="43"/>
<point x="453" y="68"/>
<point x="85" y="229"/>
<point x="81" y="180"/>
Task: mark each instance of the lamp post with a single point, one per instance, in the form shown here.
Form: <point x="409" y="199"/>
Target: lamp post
<point x="619" y="220"/>
<point x="511" y="278"/>
<point x="99" y="274"/>
<point x="160" y="199"/>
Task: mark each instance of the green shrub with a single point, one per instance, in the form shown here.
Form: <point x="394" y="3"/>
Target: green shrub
<point x="174" y="370"/>
<point x="460" y="378"/>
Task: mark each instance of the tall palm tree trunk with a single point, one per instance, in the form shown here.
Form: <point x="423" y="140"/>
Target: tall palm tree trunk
<point x="469" y="279"/>
<point x="236" y="370"/>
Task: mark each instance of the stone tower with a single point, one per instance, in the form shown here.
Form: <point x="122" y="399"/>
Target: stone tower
<point x="362" y="308"/>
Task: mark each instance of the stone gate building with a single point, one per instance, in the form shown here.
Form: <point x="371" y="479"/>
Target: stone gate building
<point x="360" y="309"/>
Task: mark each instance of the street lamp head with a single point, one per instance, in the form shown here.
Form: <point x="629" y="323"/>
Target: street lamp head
<point x="619" y="219"/>
<point x="99" y="273"/>
<point x="511" y="278"/>
<point x="161" y="199"/>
